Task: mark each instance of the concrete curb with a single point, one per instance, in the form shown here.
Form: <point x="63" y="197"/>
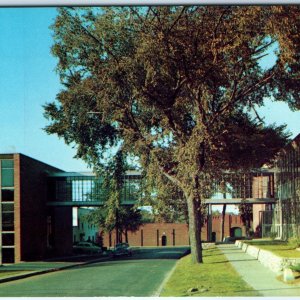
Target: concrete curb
<point x="35" y="273"/>
<point x="275" y="263"/>
<point x="168" y="276"/>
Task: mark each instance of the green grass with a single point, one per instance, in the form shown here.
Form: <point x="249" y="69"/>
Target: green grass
<point x="4" y="274"/>
<point x="280" y="248"/>
<point x="215" y="277"/>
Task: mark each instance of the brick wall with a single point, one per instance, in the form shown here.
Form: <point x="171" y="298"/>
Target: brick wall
<point x="173" y="234"/>
<point x="231" y="222"/>
<point x="154" y="234"/>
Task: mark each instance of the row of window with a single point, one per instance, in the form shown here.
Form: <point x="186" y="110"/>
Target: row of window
<point x="89" y="189"/>
<point x="7" y="211"/>
<point x="288" y="178"/>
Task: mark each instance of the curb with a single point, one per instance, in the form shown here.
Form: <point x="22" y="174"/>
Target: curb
<point x="35" y="273"/>
<point x="270" y="260"/>
<point x="168" y="276"/>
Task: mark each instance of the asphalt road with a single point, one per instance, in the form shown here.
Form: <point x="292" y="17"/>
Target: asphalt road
<point x="140" y="275"/>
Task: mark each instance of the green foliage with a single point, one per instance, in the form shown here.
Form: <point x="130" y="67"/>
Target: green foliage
<point x="294" y="242"/>
<point x="113" y="215"/>
<point x="273" y="235"/>
<point x="295" y="268"/>
<point x="177" y="87"/>
<point x="167" y="201"/>
<point x="147" y="217"/>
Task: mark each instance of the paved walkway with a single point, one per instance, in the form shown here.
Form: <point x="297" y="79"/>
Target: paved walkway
<point x="256" y="275"/>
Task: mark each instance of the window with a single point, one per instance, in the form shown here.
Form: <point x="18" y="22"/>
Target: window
<point x="8" y="239"/>
<point x="8" y="255"/>
<point x="7" y="216"/>
<point x="8" y="221"/>
<point x="7" y="195"/>
<point x="7" y="173"/>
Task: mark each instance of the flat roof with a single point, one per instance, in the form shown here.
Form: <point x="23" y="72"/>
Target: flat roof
<point x="89" y="174"/>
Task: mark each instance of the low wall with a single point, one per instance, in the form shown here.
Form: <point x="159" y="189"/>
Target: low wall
<point x="267" y="258"/>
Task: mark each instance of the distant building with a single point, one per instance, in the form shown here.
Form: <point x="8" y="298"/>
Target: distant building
<point x="83" y="230"/>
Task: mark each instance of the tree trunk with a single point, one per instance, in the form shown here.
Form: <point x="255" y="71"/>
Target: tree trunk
<point x="223" y="222"/>
<point x="126" y="235"/>
<point x="117" y="229"/>
<point x="248" y="228"/>
<point x="194" y="212"/>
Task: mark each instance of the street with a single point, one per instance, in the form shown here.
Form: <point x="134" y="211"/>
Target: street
<point x="140" y="275"/>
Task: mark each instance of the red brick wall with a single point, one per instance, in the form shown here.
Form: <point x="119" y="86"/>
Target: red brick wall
<point x="176" y="234"/>
<point x="17" y="207"/>
<point x="231" y="221"/>
<point x="151" y="235"/>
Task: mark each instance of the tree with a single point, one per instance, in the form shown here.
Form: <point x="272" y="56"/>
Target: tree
<point x="167" y="201"/>
<point x="177" y="87"/>
<point x="130" y="219"/>
<point x="127" y="218"/>
<point x="246" y="211"/>
<point x="114" y="215"/>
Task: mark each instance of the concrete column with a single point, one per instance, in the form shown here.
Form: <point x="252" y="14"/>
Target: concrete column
<point x="209" y="222"/>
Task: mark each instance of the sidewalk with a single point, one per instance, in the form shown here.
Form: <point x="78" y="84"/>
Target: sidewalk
<point x="33" y="268"/>
<point x="256" y="275"/>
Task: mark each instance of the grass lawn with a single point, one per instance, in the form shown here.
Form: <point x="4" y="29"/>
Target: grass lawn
<point x="215" y="277"/>
<point x="4" y="274"/>
<point x="280" y="248"/>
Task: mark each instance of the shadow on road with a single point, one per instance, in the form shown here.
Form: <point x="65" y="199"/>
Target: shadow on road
<point x="138" y="253"/>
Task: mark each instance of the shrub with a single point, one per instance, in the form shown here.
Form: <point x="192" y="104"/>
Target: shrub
<point x="295" y="268"/>
<point x="294" y="242"/>
<point x="273" y="235"/>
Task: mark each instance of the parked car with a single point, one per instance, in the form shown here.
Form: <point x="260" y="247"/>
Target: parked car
<point x="122" y="249"/>
<point x="86" y="248"/>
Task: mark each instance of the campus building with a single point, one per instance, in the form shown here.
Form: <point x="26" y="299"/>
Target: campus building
<point x="26" y="224"/>
<point x="37" y="204"/>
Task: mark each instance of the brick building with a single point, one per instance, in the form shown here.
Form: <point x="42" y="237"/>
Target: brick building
<point x="27" y="224"/>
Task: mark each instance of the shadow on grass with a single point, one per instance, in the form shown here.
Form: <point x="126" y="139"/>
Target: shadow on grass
<point x="232" y="260"/>
<point x="209" y="255"/>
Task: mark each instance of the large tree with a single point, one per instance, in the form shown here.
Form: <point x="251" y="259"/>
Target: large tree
<point x="177" y="87"/>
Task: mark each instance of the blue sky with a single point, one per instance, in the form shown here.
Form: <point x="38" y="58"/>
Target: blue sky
<point x="28" y="80"/>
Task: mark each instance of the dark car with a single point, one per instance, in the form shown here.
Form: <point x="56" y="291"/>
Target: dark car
<point x="122" y="249"/>
<point x="86" y="248"/>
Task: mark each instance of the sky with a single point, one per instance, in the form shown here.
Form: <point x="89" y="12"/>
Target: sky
<point x="28" y="80"/>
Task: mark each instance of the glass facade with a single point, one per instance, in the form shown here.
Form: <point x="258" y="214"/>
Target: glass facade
<point x="7" y="215"/>
<point x="288" y="188"/>
<point x="240" y="185"/>
<point x="83" y="189"/>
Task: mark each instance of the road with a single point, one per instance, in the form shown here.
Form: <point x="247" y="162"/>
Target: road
<point x="141" y="275"/>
